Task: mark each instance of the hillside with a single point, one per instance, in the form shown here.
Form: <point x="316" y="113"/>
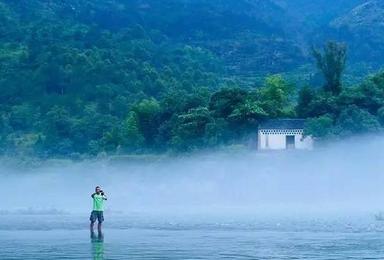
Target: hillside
<point x="80" y="77"/>
<point x="259" y="37"/>
<point x="252" y="37"/>
<point x="363" y="29"/>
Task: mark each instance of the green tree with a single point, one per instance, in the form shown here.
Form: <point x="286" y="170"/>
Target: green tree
<point x="306" y="96"/>
<point x="224" y="101"/>
<point x="276" y="97"/>
<point x="248" y="114"/>
<point x="331" y="62"/>
<point x="320" y="127"/>
<point x="58" y="122"/>
<point x="112" y="140"/>
<point x="23" y="117"/>
<point x="191" y="129"/>
<point x="380" y="116"/>
<point x="132" y="137"/>
<point x="354" y="120"/>
<point x="322" y="103"/>
<point x="370" y="94"/>
<point x="148" y="111"/>
<point x="57" y="132"/>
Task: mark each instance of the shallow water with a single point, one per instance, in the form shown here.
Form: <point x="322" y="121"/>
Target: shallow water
<point x="317" y="205"/>
<point x="132" y="237"/>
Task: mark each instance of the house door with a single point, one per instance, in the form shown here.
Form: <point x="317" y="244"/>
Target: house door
<point x="290" y="141"/>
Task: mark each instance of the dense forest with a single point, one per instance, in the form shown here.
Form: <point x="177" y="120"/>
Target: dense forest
<point x="80" y="77"/>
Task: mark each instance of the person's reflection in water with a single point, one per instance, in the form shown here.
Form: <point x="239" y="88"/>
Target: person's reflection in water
<point x="97" y="245"/>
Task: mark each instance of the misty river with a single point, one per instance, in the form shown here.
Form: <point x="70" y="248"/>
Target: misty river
<point x="246" y="205"/>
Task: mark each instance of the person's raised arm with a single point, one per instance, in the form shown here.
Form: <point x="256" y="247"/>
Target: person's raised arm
<point x="103" y="195"/>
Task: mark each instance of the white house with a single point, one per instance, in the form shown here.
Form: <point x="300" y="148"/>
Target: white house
<point x="283" y="134"/>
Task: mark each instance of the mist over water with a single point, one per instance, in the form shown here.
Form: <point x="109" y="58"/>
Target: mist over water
<point x="318" y="204"/>
<point x="342" y="178"/>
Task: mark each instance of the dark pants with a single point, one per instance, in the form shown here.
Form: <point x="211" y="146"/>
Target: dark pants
<point x="96" y="215"/>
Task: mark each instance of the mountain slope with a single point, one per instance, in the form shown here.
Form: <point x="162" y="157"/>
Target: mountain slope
<point x="251" y="37"/>
<point x="363" y="29"/>
<point x="87" y="76"/>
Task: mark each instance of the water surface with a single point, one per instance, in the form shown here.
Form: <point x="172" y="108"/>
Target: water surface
<point x="130" y="237"/>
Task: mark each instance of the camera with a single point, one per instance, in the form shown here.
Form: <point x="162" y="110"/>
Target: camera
<point x="102" y="193"/>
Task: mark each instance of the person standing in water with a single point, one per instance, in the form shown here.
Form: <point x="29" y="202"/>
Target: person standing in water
<point x="98" y="209"/>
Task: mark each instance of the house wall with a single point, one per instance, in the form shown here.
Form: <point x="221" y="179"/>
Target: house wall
<point x="275" y="139"/>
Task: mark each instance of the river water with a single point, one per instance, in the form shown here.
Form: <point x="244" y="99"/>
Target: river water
<point x="127" y="237"/>
<point x="247" y="205"/>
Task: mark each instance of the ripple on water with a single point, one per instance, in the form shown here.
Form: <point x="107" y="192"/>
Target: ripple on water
<point x="52" y="237"/>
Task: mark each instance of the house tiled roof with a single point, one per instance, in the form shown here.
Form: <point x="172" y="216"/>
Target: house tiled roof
<point x="283" y="124"/>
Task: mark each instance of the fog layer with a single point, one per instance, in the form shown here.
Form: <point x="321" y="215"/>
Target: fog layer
<point x="341" y="178"/>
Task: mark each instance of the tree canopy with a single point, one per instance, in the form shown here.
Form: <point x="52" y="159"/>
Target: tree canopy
<point x="76" y="81"/>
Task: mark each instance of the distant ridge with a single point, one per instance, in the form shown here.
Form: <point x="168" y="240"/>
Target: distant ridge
<point x="368" y="14"/>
